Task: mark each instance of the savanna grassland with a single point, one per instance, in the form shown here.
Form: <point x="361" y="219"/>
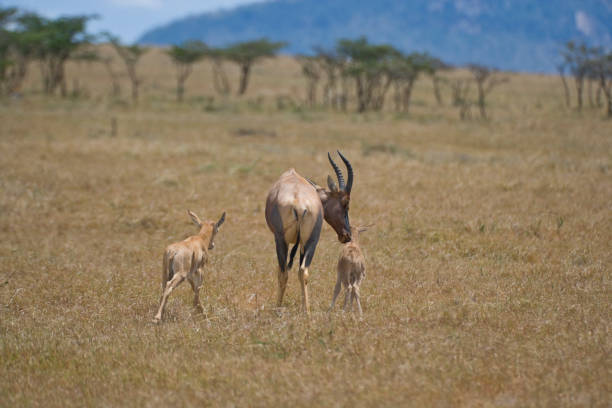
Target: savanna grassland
<point x="488" y="279"/>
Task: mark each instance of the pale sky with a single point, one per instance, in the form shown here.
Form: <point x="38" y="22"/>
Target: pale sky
<point x="126" y="18"/>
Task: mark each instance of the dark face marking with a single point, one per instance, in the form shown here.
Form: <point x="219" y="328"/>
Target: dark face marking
<point x="335" y="209"/>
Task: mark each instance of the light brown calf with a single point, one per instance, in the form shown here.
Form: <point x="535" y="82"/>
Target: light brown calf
<point x="185" y="260"/>
<point x="351" y="271"/>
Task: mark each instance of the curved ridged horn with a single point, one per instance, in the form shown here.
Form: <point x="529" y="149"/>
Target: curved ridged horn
<point x="338" y="172"/>
<point x="349" y="168"/>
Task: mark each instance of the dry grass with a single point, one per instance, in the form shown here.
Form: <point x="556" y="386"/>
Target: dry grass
<point x="488" y="268"/>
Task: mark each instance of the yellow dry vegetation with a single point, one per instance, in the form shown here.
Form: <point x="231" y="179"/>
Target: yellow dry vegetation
<point x="488" y="278"/>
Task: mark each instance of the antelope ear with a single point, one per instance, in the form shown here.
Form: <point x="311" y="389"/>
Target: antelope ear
<point x="195" y="218"/>
<point x="312" y="183"/>
<point x="332" y="184"/>
<point x="365" y="227"/>
<point x="221" y="221"/>
<point x="323" y="194"/>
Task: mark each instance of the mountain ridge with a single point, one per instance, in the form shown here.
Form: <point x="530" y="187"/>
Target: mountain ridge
<point x="518" y="35"/>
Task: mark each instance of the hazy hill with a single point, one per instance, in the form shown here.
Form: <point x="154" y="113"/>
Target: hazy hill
<point x="509" y="34"/>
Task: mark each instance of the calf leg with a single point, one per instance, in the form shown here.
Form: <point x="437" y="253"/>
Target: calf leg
<point x="196" y="285"/>
<point x="172" y="284"/>
<point x="336" y="293"/>
<point x="347" y="296"/>
<point x="356" y="296"/>
<point x="196" y="300"/>
<point x="303" y="277"/>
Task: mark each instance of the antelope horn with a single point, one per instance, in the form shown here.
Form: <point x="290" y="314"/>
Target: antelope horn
<point x="338" y="172"/>
<point x="349" y="168"/>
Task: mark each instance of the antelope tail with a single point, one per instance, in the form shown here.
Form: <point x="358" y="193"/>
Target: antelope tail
<point x="170" y="266"/>
<point x="194" y="264"/>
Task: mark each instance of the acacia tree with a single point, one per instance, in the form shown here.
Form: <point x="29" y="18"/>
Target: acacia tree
<point x="17" y="49"/>
<point x="184" y="56"/>
<point x="561" y="71"/>
<point x="329" y="64"/>
<point x="368" y="66"/>
<point x="23" y="51"/>
<point x="601" y="68"/>
<point x="86" y="55"/>
<point x="6" y="43"/>
<point x="460" y="88"/>
<point x="130" y="54"/>
<point x="486" y="79"/>
<point x="435" y="66"/>
<point x="53" y="42"/>
<point x="405" y="70"/>
<point x="590" y="78"/>
<point x="6" y="16"/>
<point x="333" y="65"/>
<point x="245" y="54"/>
<point x="220" y="80"/>
<point x="107" y="61"/>
<point x="577" y="59"/>
<point x="312" y="74"/>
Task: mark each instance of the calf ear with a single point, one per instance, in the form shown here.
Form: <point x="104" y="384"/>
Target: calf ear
<point x="221" y="221"/>
<point x="364" y="228"/>
<point x="195" y="218"/>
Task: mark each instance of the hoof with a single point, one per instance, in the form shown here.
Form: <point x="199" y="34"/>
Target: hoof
<point x="156" y="320"/>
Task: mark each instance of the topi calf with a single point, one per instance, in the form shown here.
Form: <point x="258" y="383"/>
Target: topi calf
<point x="185" y="260"/>
<point x="351" y="271"/>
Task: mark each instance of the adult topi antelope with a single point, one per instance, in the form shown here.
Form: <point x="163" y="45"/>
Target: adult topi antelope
<point x="295" y="210"/>
<point x="185" y="260"/>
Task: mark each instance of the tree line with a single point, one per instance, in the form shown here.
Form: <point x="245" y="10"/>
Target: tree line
<point x="373" y="71"/>
<point x="590" y="66"/>
<point x="27" y="38"/>
<point x="368" y="75"/>
<point x="366" y="72"/>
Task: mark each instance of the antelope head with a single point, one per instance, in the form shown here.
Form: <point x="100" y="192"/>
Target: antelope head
<point x="207" y="228"/>
<point x="336" y="199"/>
<point x="356" y="231"/>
